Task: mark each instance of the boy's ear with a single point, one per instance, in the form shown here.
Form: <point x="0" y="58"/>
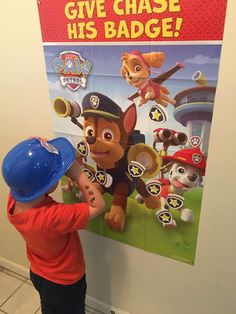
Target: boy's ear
<point x="130" y="119"/>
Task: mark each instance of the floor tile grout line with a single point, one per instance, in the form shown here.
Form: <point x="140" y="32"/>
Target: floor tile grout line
<point x="29" y="282"/>
<point x="23" y="281"/>
<point x="11" y="295"/>
<point x="37" y="310"/>
<point x="12" y="273"/>
<point x="93" y="310"/>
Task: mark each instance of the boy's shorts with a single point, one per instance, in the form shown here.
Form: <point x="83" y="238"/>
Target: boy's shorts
<point x="60" y="299"/>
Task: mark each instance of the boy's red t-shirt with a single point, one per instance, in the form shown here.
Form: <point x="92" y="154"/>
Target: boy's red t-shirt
<point x="52" y="241"/>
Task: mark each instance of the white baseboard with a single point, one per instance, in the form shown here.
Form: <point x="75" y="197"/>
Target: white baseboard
<point x="101" y="307"/>
<point x="14" y="267"/>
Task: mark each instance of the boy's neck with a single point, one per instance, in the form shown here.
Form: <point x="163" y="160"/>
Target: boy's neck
<point x="23" y="206"/>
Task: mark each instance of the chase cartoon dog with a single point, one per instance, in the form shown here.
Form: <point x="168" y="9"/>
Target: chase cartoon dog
<point x="136" y="70"/>
<point x="109" y="136"/>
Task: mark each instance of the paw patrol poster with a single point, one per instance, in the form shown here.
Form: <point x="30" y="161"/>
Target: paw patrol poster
<point x="132" y="85"/>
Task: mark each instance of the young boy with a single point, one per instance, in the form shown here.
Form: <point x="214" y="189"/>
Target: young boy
<point x="32" y="170"/>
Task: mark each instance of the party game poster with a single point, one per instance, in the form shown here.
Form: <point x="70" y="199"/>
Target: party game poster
<point x="132" y="85"/>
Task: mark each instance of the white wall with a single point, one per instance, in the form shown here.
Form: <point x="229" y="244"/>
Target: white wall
<point x="128" y="278"/>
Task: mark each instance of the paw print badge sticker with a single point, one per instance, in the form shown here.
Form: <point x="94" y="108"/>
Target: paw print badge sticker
<point x="136" y="169"/>
<point x="175" y="201"/>
<point x="197" y="158"/>
<point x="83" y="148"/>
<point x="157" y="114"/>
<point x="89" y="174"/>
<point x="49" y="147"/>
<point x="104" y="178"/>
<point x="164" y="216"/>
<point x="195" y="141"/>
<point x="153" y="187"/>
<point x="94" y="101"/>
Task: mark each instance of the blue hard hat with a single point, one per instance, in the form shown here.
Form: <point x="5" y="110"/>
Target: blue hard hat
<point x="33" y="167"/>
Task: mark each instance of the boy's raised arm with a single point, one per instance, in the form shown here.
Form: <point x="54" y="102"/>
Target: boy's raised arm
<point x="91" y="195"/>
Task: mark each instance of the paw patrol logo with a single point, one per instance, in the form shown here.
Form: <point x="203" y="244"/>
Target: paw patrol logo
<point x="94" y="101"/>
<point x="197" y="158"/>
<point x="195" y="141"/>
<point x="72" y="69"/>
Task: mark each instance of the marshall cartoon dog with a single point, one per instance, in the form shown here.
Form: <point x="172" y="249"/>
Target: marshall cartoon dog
<point x="187" y="167"/>
<point x="136" y="70"/>
<point x="109" y="138"/>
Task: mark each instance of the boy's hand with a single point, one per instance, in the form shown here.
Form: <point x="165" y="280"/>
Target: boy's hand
<point x="90" y="193"/>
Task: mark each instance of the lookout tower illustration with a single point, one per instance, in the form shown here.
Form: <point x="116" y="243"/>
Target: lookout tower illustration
<point x="194" y="109"/>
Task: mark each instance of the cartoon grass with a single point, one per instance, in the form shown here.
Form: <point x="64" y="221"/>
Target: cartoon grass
<point x="145" y="232"/>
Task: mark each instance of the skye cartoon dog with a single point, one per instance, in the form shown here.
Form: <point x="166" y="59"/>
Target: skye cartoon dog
<point x="136" y="70"/>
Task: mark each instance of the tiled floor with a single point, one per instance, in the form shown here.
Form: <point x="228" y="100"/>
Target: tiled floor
<point x="18" y="296"/>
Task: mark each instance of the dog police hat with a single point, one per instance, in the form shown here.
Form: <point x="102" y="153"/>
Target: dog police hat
<point x="98" y="104"/>
<point x="190" y="156"/>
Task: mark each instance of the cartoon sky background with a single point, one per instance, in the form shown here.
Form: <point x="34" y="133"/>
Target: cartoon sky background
<point x="105" y="78"/>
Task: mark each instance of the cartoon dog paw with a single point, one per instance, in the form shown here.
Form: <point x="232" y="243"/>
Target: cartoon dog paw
<point x="149" y="95"/>
<point x="142" y="101"/>
<point x="171" y="225"/>
<point x="139" y="199"/>
<point x="79" y="196"/>
<point x="68" y="186"/>
<point x="115" y="219"/>
<point x="152" y="202"/>
<point x="187" y="215"/>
